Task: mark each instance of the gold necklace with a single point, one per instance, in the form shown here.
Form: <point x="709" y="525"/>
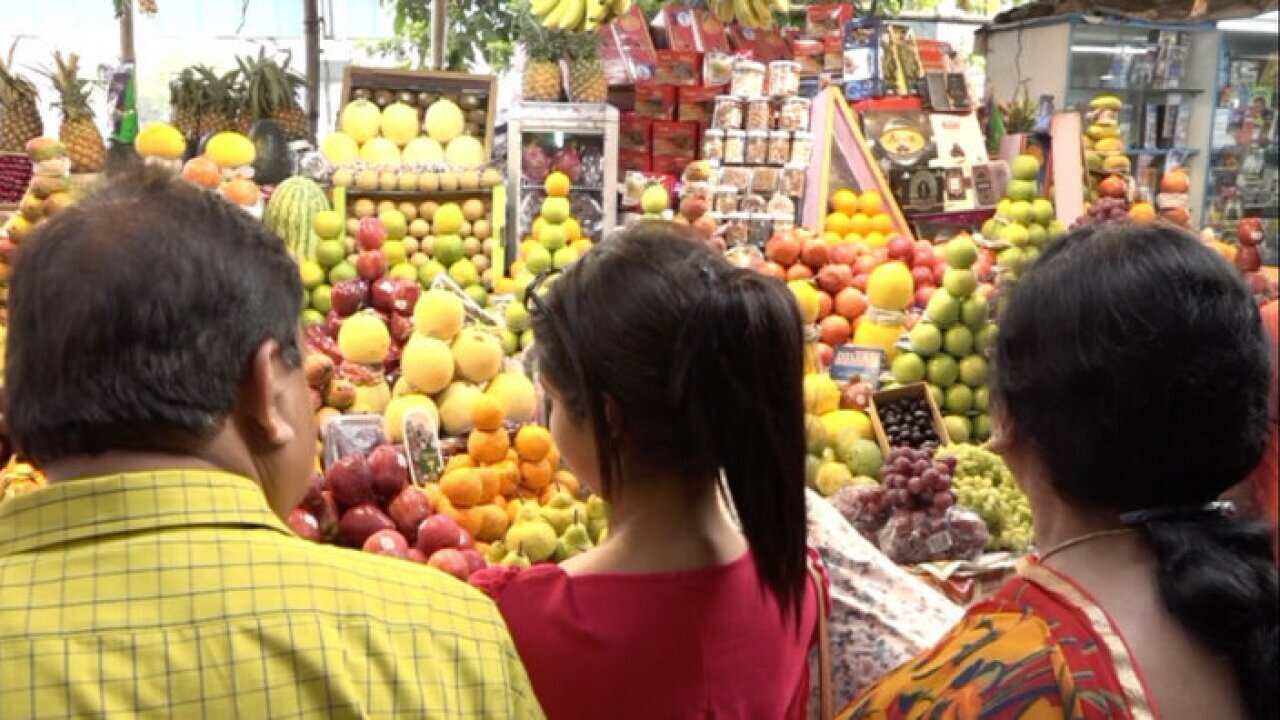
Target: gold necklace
<point x="1084" y="539"/>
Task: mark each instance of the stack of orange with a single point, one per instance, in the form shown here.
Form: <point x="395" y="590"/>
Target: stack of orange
<point x="478" y="487"/>
<point x="857" y="218"/>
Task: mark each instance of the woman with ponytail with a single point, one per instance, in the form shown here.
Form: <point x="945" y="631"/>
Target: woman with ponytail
<point x="1129" y="389"/>
<point x="674" y="383"/>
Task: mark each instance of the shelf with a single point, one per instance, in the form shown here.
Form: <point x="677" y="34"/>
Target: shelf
<point x="572" y="188"/>
<point x="1186" y="151"/>
<point x="446" y="194"/>
<point x="1135" y="91"/>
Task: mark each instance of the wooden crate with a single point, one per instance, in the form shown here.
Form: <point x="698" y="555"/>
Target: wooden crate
<point x="445" y="83"/>
<point x="915" y="390"/>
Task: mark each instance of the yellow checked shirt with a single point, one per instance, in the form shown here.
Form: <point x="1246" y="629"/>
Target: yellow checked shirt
<point x="180" y="594"/>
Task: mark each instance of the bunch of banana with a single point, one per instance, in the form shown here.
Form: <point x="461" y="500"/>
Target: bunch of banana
<point x="751" y="13"/>
<point x="577" y="15"/>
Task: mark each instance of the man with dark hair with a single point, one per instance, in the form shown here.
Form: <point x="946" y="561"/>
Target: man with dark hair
<point x="153" y="371"/>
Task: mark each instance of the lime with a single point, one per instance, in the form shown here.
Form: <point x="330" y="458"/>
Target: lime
<point x="321" y="298"/>
<point x="394" y="252"/>
<point x="312" y="274"/>
<point x="428" y="272"/>
<point x="404" y="271"/>
<point x="330" y="252"/>
<point x="311" y="317"/>
<point x="341" y="272"/>
<point x="327" y="224"/>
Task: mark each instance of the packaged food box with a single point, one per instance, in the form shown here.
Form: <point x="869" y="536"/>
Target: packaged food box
<point x="634" y="160"/>
<point x="655" y="100"/>
<point x="679" y="67"/>
<point x="673" y="138"/>
<point x="822" y="19"/>
<point x="626" y="49"/>
<point x="669" y="165"/>
<point x="635" y="132"/>
<point x="770" y="46"/>
<point x="695" y="104"/>
<point x="808" y="52"/>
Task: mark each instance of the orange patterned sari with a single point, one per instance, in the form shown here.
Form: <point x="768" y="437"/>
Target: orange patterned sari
<point x="1039" y="649"/>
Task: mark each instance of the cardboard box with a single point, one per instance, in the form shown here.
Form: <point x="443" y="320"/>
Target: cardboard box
<point x="669" y="165"/>
<point x="694" y="104"/>
<point x="822" y="19"/>
<point x="679" y="67"/>
<point x="655" y="100"/>
<point x="672" y="138"/>
<point x="635" y="132"/>
<point x="681" y="27"/>
<point x="626" y="49"/>
<point x="635" y="160"/>
<point x="916" y="390"/>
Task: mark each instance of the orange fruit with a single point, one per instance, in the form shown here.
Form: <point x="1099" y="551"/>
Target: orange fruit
<point x="488" y="446"/>
<point x="553" y="457"/>
<point x="838" y="223"/>
<point x="875" y="239"/>
<point x="433" y="494"/>
<point x="1142" y="213"/>
<point x="845" y="201"/>
<point x="486" y="413"/>
<point x="490" y="482"/>
<point x="467" y="518"/>
<point x="512" y="509"/>
<point x="871" y="202"/>
<point x="493" y="522"/>
<point x="859" y="224"/>
<point x="533" y="442"/>
<point x="241" y="191"/>
<point x="508" y="473"/>
<point x="202" y="172"/>
<point x="557" y="184"/>
<point x="464" y="488"/>
<point x="535" y="474"/>
<point x="568" y="481"/>
<point x="572" y="230"/>
<point x="882" y="223"/>
<point x="459" y="461"/>
<point x="547" y="493"/>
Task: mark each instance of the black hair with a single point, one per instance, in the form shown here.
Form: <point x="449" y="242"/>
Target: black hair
<point x="1134" y="360"/>
<point x="705" y="361"/>
<point x="134" y="314"/>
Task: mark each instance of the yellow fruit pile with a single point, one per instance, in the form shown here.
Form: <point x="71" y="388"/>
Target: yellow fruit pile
<point x="858" y="218"/>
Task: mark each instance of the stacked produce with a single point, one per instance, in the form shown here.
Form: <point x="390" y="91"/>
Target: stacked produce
<point x="292" y="212"/>
<point x="226" y="165"/>
<point x="47" y="191"/>
<point x="581" y="163"/>
<point x="983" y="483"/>
<point x="841" y="450"/>
<point x="1174" y="199"/>
<point x="556" y="239"/>
<point x="582" y="15"/>
<point x="948" y="348"/>
<point x="1024" y="220"/>
<point x="909" y="422"/>
<point x="858" y="219"/>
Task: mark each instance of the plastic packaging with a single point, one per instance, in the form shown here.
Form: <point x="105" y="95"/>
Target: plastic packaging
<point x="793" y="113"/>
<point x="726" y="199"/>
<point x="736" y="228"/>
<point x="765" y="180"/>
<point x="760" y="229"/>
<point x="735" y="147"/>
<point x="352" y="435"/>
<point x="717" y="68"/>
<point x="759" y="114"/>
<point x="801" y="147"/>
<point x="779" y="147"/>
<point x="793" y="180"/>
<point x="739" y="178"/>
<point x="748" y="79"/>
<point x="713" y="145"/>
<point x="784" y="77"/>
<point x="865" y="508"/>
<point x="911" y="538"/>
<point x="781" y="205"/>
<point x="757" y="150"/>
<point x="753" y="203"/>
<point x="727" y="114"/>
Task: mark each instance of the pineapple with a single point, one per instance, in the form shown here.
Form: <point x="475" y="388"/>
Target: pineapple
<point x="586" y="73"/>
<point x="78" y="132"/>
<point x="541" y="79"/>
<point x="272" y="94"/>
<point x="19" y="116"/>
<point x="216" y="112"/>
<point x="184" y="103"/>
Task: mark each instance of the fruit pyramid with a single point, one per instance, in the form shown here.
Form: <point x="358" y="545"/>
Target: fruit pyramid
<point x="950" y="345"/>
<point x="48" y="191"/>
<point x="1025" y="218"/>
<point x="858" y="219"/>
<point x="556" y="238"/>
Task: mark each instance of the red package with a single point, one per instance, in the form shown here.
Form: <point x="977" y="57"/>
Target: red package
<point x="672" y="138"/>
<point x="634" y="160"/>
<point x="635" y="132"/>
<point x="771" y="46"/>
<point x="822" y="19"/>
<point x="626" y="50"/>
<point x="679" y="67"/>
<point x="808" y="52"/>
<point x="833" y="52"/>
<point x="670" y="165"/>
<point x="933" y="55"/>
<point x="712" y="33"/>
<point x="655" y="101"/>
<point x="744" y="40"/>
<point x="676" y="27"/>
<point x="694" y="104"/>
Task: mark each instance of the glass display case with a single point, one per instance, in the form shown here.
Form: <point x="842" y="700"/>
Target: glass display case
<point x="1244" y="165"/>
<point x="578" y="139"/>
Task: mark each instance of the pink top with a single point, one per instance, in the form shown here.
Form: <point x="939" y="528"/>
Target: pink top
<point x="704" y="643"/>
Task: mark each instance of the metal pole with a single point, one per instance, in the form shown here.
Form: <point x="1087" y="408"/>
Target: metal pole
<point x="439" y="21"/>
<point x="311" y="28"/>
<point x="126" y="35"/>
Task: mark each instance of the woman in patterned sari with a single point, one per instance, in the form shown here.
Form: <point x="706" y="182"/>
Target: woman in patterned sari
<point x="1126" y="381"/>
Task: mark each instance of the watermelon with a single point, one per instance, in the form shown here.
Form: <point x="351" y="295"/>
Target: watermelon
<point x="290" y="211"/>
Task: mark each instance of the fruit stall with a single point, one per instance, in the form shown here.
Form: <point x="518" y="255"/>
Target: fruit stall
<point x="821" y="145"/>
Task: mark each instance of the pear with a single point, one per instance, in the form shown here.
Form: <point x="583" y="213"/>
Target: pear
<point x="497" y="551"/>
<point x="575" y="539"/>
<point x="559" y="512"/>
<point x="534" y="537"/>
<point x="515" y="559"/>
<point x="597" y="518"/>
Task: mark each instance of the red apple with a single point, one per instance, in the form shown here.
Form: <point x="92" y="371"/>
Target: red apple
<point x="390" y="471"/>
<point x="313" y="501"/>
<point x="450" y="561"/>
<point x="475" y="561"/>
<point x="387" y="542"/>
<point x="783" y="249"/>
<point x="900" y="248"/>
<point x="408" y="509"/>
<point x="922" y="257"/>
<point x="416" y="555"/>
<point x="860" y="281"/>
<point x="844" y="254"/>
<point x="815" y="253"/>
<point x="799" y="272"/>
<point x="880" y="254"/>
<point x="923" y="293"/>
<point x="304" y="525"/>
<point x="825" y="355"/>
<point x="835" y="330"/>
<point x="400" y="327"/>
<point x="360" y="522"/>
<point x="350" y="481"/>
<point x="864" y="265"/>
<point x="939" y="271"/>
<point x="347" y="297"/>
<point x="834" y="278"/>
<point x="693" y="207"/>
<point x="922" y="275"/>
<point x="437" y="532"/>
<point x="773" y="270"/>
<point x="371" y="265"/>
<point x="406" y="297"/>
<point x="327" y="516"/>
<point x="382" y="293"/>
<point x="851" y="303"/>
<point x="370" y="235"/>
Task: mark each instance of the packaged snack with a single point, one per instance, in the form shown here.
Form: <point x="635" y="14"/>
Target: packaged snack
<point x="701" y="171"/>
<point x="352" y="435"/>
<point x="675" y="22"/>
<point x="735" y="146"/>
<point x="808" y="53"/>
<point x="833" y="52"/>
<point x="726" y="199"/>
<point x="738" y="178"/>
<point x="764" y="180"/>
<point x="865" y="507"/>
<point x="634" y="160"/>
<point x="713" y="145"/>
<point x="727" y="114"/>
<point x="655" y="101"/>
<point x="770" y="46"/>
<point x="801" y="147"/>
<point x="635" y="132"/>
<point x="694" y="104"/>
<point x="793" y="114"/>
<point x="717" y="68"/>
<point x="759" y="229"/>
<point x="784" y="78"/>
<point x="822" y="19"/>
<point x="748" y="79"/>
<point x="779" y="147"/>
<point x="679" y="67"/>
<point x="626" y="49"/>
<point x="793" y="180"/>
<point x="759" y="114"/>
<point x="712" y="34"/>
<point x="757" y="150"/>
<point x="753" y="204"/>
<point x="736" y="228"/>
<point x="675" y="139"/>
<point x="781" y="206"/>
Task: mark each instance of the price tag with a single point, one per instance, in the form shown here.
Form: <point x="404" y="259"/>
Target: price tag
<point x="422" y="446"/>
<point x="858" y="361"/>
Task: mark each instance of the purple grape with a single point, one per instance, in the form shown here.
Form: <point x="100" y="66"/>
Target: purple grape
<point x="931" y="475"/>
<point x="915" y="485"/>
<point x="943" y="500"/>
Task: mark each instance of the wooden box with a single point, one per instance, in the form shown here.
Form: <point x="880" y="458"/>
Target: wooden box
<point x="441" y="83"/>
<point x="915" y="390"/>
